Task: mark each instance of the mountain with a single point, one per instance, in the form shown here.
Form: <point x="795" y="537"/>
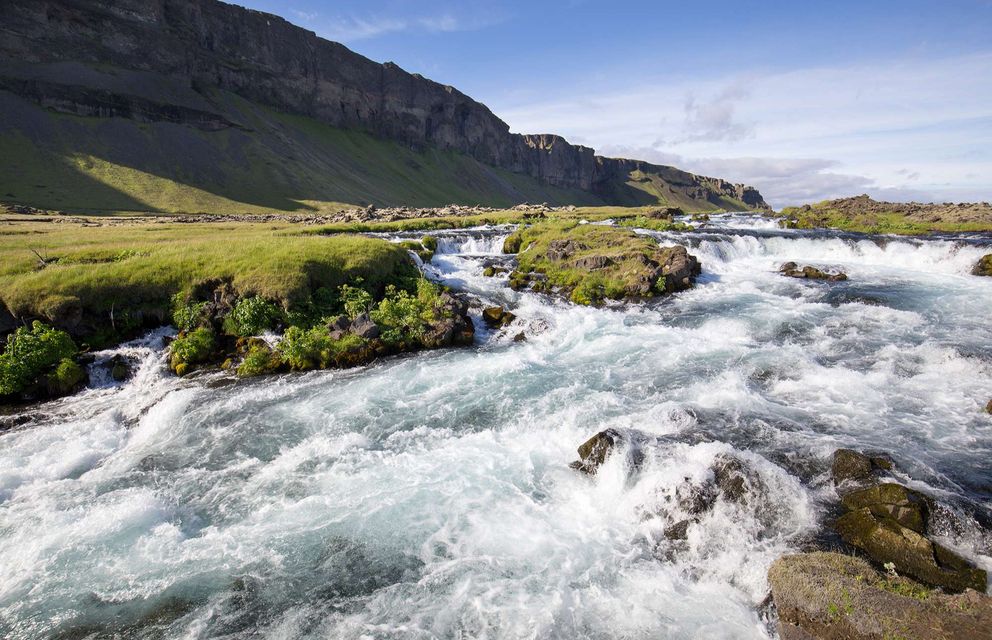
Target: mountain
<point x="197" y="105"/>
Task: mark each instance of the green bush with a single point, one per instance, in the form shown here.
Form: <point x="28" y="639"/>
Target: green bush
<point x="259" y="360"/>
<point x="30" y="353"/>
<point x="304" y="349"/>
<point x="356" y="300"/>
<point x="402" y="316"/>
<point x="186" y="315"/>
<point x="193" y="348"/>
<point x="251" y="316"/>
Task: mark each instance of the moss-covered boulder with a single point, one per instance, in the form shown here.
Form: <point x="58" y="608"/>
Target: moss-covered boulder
<point x="909" y="508"/>
<point x="594" y="451"/>
<point x="496" y="317"/>
<point x="984" y="266"/>
<point x="593" y="263"/>
<point x="886" y="540"/>
<point x="830" y="596"/>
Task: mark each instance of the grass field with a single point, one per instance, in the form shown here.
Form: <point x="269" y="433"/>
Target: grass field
<point x="821" y="215"/>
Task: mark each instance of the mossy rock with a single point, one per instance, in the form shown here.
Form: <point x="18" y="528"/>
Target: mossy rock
<point x="984" y="266"/>
<point x="594" y="451"/>
<point x="885" y="540"/>
<point x="909" y="508"/>
<point x="67" y="378"/>
<point x="853" y="466"/>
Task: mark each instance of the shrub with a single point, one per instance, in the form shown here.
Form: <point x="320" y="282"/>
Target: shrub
<point x="314" y="348"/>
<point x="259" y="360"/>
<point x="193" y="348"/>
<point x="30" y="353"/>
<point x="401" y="315"/>
<point x="356" y="300"/>
<point x="186" y="315"/>
<point x="251" y="316"/>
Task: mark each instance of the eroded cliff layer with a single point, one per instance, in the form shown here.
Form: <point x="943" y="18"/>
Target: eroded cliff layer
<point x="172" y="61"/>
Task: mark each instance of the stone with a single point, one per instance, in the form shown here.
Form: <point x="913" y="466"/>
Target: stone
<point x="678" y="531"/>
<point x="119" y="369"/>
<point x="988" y="407"/>
<point x="594" y="451"/>
<point x="984" y="266"/>
<point x="792" y="270"/>
<point x="363" y="327"/>
<point x="340" y="323"/>
<point x="885" y="540"/>
<point x="733" y="478"/>
<point x="832" y="596"/>
<point x="909" y="508"/>
<point x="497" y="317"/>
<point x="849" y="465"/>
<point x="679" y="268"/>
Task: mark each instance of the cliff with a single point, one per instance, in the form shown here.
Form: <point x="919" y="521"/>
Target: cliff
<point x="179" y="61"/>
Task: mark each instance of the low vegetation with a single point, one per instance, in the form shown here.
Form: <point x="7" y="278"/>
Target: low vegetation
<point x="861" y="214"/>
<point x="589" y="263"/>
<point x="38" y="355"/>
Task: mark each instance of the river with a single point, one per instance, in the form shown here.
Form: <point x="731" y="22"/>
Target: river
<point x="429" y="496"/>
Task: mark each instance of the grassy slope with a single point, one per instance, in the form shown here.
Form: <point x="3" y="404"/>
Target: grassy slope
<point x="281" y="163"/>
<point x="139" y="267"/>
<point x="822" y="215"/>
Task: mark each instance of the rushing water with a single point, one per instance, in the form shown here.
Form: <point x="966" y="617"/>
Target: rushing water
<point x="429" y="496"/>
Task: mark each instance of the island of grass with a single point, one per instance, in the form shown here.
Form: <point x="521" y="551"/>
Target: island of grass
<point x="862" y="214"/>
<point x="339" y="300"/>
<point x="590" y="264"/>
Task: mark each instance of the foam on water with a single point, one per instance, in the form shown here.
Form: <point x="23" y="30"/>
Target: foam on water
<point x="429" y="496"/>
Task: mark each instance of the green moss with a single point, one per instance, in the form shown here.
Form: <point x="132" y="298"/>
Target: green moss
<point x="193" y="348"/>
<point x="66" y="378"/>
<point x="259" y="360"/>
<point x="31" y="352"/>
<point x="823" y="215"/>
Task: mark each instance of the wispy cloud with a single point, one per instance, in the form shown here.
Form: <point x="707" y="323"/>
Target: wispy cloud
<point x="304" y="16"/>
<point x="354" y="28"/>
<point x="913" y="129"/>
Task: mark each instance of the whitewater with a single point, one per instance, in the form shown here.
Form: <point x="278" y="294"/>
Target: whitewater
<point x="429" y="495"/>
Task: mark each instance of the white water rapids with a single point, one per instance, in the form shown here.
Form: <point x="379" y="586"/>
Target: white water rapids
<point x="429" y="496"/>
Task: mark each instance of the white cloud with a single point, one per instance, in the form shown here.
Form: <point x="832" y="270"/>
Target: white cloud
<point x="907" y="129"/>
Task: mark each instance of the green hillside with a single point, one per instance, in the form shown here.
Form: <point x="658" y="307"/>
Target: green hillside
<point x="275" y="163"/>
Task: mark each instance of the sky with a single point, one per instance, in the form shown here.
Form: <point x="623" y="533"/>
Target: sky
<point x="803" y="100"/>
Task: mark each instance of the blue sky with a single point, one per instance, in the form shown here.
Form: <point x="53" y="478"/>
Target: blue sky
<point x="804" y="100"/>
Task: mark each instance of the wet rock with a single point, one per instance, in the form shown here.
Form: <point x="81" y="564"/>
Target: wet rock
<point x="734" y="478"/>
<point x="988" y="407"/>
<point x="120" y="368"/>
<point x="363" y="327"/>
<point x="984" y="266"/>
<point x="831" y="596"/>
<point x="909" y="508"/>
<point x="679" y="267"/>
<point x="497" y="317"/>
<point x="520" y="337"/>
<point x="678" y="531"/>
<point x="885" y="540"/>
<point x="792" y="270"/>
<point x="853" y="466"/>
<point x="595" y="451"/>
<point x="492" y="271"/>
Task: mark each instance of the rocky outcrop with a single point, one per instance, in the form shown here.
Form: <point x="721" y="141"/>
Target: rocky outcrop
<point x="165" y="60"/>
<point x="830" y="596"/>
<point x="792" y="270"/>
<point x="983" y="267"/>
<point x="891" y="524"/>
<point x="496" y="317"/>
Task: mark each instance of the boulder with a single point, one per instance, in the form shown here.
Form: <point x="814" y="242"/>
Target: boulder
<point x="886" y="540"/>
<point x="363" y="327"/>
<point x="679" y="267"/>
<point x="120" y="369"/>
<point x="593" y="262"/>
<point x="988" y="407"/>
<point x="497" y="316"/>
<point x="984" y="266"/>
<point x="792" y="270"/>
<point x="831" y="596"/>
<point x="594" y="451"/>
<point x="909" y="508"/>
<point x="852" y="466"/>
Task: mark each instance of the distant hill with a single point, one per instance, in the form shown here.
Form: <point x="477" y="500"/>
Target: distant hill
<point x="196" y="105"/>
<point x="863" y="214"/>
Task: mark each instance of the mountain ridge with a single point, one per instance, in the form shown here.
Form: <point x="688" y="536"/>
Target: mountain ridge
<point x="167" y="62"/>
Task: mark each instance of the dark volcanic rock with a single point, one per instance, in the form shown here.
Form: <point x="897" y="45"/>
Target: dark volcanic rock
<point x="497" y="316"/>
<point x="830" y="596"/>
<point x="680" y="269"/>
<point x="160" y="61"/>
<point x="363" y="327"/>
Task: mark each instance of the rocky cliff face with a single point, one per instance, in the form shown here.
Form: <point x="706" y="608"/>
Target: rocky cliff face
<point x="160" y="60"/>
